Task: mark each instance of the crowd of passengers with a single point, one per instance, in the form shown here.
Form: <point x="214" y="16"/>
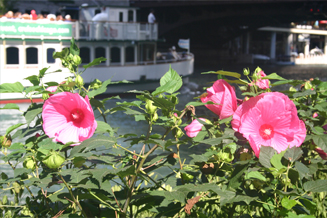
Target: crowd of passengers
<point x="33" y="16"/>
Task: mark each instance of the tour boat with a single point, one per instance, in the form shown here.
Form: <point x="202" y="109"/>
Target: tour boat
<point x="130" y="47"/>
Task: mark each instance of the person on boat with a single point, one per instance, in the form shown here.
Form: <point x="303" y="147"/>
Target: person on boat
<point x="8" y="15"/>
<point x="68" y="18"/>
<point x="174" y="53"/>
<point x="151" y="17"/>
<point x="59" y="18"/>
<point x="18" y="15"/>
<point x="33" y="15"/>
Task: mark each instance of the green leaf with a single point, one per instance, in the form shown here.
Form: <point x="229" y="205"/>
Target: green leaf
<point x="276" y="160"/>
<point x="11" y="128"/>
<point x="266" y="153"/>
<point x="320" y="141"/>
<point x="92" y="143"/>
<point x="11" y="106"/>
<point x="273" y="76"/>
<point x="42" y="72"/>
<point x="235" y="179"/>
<point x="305" y="93"/>
<point x="96" y="61"/>
<point x="103" y="127"/>
<point x="170" y="83"/>
<point x="101" y="90"/>
<point x="241" y="82"/>
<point x="74" y="50"/>
<point x="48" y="144"/>
<point x="315" y="186"/>
<point x="293" y="154"/>
<point x="35" y="80"/>
<point x="30" y="115"/>
<point x="255" y="175"/>
<point x="225" y="73"/>
<point x="288" y="203"/>
<point x="64" y="53"/>
<point x="302" y="169"/>
<point x="197" y="103"/>
<point x="16" y="87"/>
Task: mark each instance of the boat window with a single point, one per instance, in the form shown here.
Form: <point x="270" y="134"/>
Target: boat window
<point x="121" y="17"/>
<point x="50" y="59"/>
<point x="129" y="54"/>
<point x="12" y="55"/>
<point x="85" y="55"/>
<point x="31" y="55"/>
<point x="130" y="16"/>
<point x="115" y="55"/>
<point x="100" y="52"/>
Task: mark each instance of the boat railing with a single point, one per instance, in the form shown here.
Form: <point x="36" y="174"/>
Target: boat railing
<point x="90" y="30"/>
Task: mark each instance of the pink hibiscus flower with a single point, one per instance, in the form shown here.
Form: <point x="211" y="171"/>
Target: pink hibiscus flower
<point x="194" y="128"/>
<point x="269" y="119"/>
<point x="224" y="96"/>
<point x="321" y="153"/>
<point x="261" y="83"/>
<point x="67" y="117"/>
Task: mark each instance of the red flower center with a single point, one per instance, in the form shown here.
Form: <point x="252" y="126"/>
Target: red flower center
<point x="266" y="131"/>
<point x="77" y="115"/>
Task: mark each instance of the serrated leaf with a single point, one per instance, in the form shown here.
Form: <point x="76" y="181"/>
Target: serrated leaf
<point x="16" y="87"/>
<point x="225" y="73"/>
<point x="34" y="79"/>
<point x="30" y="115"/>
<point x="96" y="61"/>
<point x="42" y="72"/>
<point x="11" y="106"/>
<point x="288" y="203"/>
<point x="103" y="127"/>
<point x="11" y="128"/>
<point x="235" y="179"/>
<point x="100" y="90"/>
<point x="170" y="83"/>
<point x="74" y="50"/>
<point x="273" y="76"/>
<point x="266" y="153"/>
<point x="255" y="175"/>
<point x="305" y="93"/>
<point x="302" y="169"/>
<point x="320" y="141"/>
<point x="315" y="186"/>
<point x="276" y="160"/>
<point x="92" y="143"/>
<point x="293" y="154"/>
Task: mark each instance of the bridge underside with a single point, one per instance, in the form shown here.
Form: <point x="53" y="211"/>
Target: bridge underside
<point x="213" y="23"/>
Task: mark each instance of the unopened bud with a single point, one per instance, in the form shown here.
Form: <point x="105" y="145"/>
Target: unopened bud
<point x="79" y="80"/>
<point x="77" y="60"/>
<point x="155" y="116"/>
<point x="29" y="163"/>
<point x="150" y="107"/>
<point x="45" y="96"/>
<point x="6" y="141"/>
<point x="246" y="72"/>
<point x="54" y="160"/>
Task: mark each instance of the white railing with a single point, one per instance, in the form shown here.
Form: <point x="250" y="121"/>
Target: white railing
<point x="115" y="31"/>
<point x="311" y="59"/>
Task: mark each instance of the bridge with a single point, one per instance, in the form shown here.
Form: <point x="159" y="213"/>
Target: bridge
<point x="211" y="24"/>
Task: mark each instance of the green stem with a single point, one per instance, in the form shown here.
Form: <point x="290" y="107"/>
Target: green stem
<point x="71" y="193"/>
<point x="129" y="151"/>
<point x="99" y="199"/>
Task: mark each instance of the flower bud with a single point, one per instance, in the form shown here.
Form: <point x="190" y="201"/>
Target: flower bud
<point x="225" y="156"/>
<point x="79" y="80"/>
<point x="4" y="200"/>
<point x="77" y="60"/>
<point x="5" y="141"/>
<point x="54" y="160"/>
<point x="155" y="116"/>
<point x="292" y="89"/>
<point x="178" y="132"/>
<point x="16" y="187"/>
<point x="29" y="163"/>
<point x="246" y="72"/>
<point x="45" y="96"/>
<point x="308" y="85"/>
<point x="95" y="84"/>
<point x="174" y="100"/>
<point x="70" y="57"/>
<point x="150" y="107"/>
<point x="175" y="118"/>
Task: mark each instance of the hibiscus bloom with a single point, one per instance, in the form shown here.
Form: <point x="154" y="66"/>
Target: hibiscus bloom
<point x="224" y="96"/>
<point x="262" y="83"/>
<point x="269" y="119"/>
<point x="194" y="128"/>
<point x="67" y="117"/>
<point x="51" y="89"/>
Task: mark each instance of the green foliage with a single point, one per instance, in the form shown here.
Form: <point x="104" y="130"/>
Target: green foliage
<point x="101" y="177"/>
